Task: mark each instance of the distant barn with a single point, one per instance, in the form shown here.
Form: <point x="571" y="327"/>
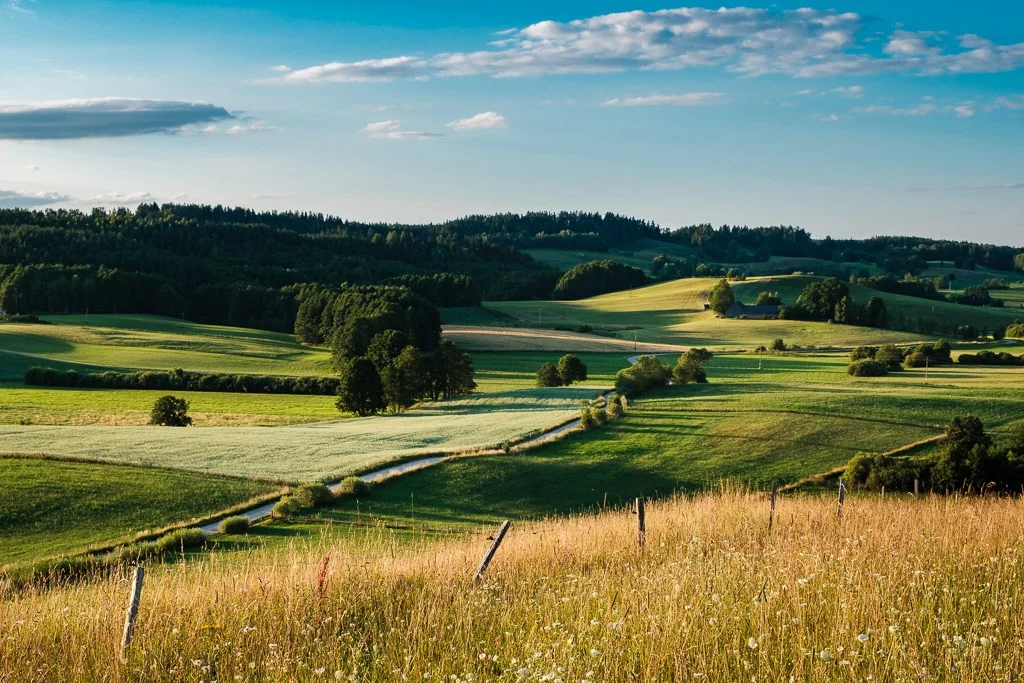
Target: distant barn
<point x="749" y="312"/>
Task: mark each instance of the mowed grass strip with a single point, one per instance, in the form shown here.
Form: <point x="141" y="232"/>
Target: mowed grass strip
<point x="54" y="507"/>
<point x="21" y="405"/>
<point x="311" y="452"/>
<point x="151" y="342"/>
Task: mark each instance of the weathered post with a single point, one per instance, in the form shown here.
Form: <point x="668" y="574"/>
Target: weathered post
<point x="842" y="497"/>
<point x="641" y="523"/>
<point x="917" y="488"/>
<point x="771" y="507"/>
<point x="133" y="611"/>
<point x="493" y="549"/>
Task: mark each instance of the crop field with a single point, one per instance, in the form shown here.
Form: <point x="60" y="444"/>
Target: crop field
<point x="795" y="417"/>
<point x="895" y="590"/>
<point x="150" y="342"/>
<point x="53" y="507"/>
<point x="311" y="452"/>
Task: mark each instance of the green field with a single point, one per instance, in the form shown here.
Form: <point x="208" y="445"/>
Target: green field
<point x="310" y="452"/>
<point x="20" y="405"/>
<point x="796" y="417"/>
<point x="151" y="342"/>
<point x="52" y="508"/>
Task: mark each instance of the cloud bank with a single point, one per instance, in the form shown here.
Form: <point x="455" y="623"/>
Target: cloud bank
<point x="108" y="117"/>
<point x="749" y="41"/>
<point x="392" y="130"/>
<point x="685" y="100"/>
<point x="11" y="199"/>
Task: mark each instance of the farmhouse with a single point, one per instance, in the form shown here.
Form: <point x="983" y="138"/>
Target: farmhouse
<point x="750" y="312"/>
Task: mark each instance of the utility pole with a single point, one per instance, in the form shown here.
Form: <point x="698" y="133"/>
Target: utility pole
<point x="926" y="360"/>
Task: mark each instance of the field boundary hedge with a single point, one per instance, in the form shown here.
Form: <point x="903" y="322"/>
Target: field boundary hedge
<point x="181" y="380"/>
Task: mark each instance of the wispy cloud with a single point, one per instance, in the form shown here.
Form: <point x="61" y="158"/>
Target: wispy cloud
<point x="749" y="41"/>
<point x="961" y="110"/>
<point x="828" y="118"/>
<point x="11" y="199"/>
<point x="249" y="126"/>
<point x="488" y="120"/>
<point x="684" y="100"/>
<point x="851" y="91"/>
<point x="102" y="118"/>
<point x="392" y="130"/>
<point x="18" y="6"/>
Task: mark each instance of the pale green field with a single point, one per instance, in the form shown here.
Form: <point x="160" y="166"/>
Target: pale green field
<point x="151" y="342"/>
<point x="309" y="452"/>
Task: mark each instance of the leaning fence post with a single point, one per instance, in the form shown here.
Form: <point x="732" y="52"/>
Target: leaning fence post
<point x="842" y="497"/>
<point x="133" y="611"/>
<point x="771" y="508"/>
<point x="641" y="523"/>
<point x="493" y="549"/>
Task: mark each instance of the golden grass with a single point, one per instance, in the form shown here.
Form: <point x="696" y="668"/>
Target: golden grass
<point x="897" y="590"/>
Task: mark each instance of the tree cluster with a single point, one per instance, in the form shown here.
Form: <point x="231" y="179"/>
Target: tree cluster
<point x="969" y="460"/>
<point x="690" y="367"/>
<point x="829" y="300"/>
<point x="570" y="370"/>
<point x="597" y="277"/>
<point x="181" y="380"/>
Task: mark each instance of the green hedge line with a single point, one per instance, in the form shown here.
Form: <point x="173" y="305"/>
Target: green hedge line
<point x="180" y="380"/>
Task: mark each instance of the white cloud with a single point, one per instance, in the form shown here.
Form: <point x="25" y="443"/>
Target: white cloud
<point x="961" y="110"/>
<point x="392" y="130"/>
<point x="805" y="92"/>
<point x="684" y="100"/>
<point x="102" y="118"/>
<point x="852" y="91"/>
<point x="828" y="118"/>
<point x="803" y="43"/>
<point x="28" y="168"/>
<point x="11" y="199"/>
<point x="117" y="199"/>
<point x="485" y="121"/>
<point x="248" y="126"/>
<point x="281" y="68"/>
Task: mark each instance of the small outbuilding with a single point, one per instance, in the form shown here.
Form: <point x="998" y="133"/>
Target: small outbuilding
<point x="750" y="312"/>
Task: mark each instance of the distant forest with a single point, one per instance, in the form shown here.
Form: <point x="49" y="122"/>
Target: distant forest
<point x="241" y="267"/>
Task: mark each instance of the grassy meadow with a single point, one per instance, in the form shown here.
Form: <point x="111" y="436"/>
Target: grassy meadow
<point x="101" y="342"/>
<point x="895" y="590"/>
<point x="54" y="507"/>
<point x="795" y="417"/>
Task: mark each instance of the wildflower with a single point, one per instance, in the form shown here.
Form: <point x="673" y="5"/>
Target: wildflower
<point x="595" y="653"/>
<point x="985" y="641"/>
<point x="482" y="656"/>
<point x="752" y="643"/>
<point x="894" y="629"/>
<point x="958" y="641"/>
<point x="824" y="655"/>
<point x="715" y="597"/>
<point x="523" y="673"/>
<point x="863" y="638"/>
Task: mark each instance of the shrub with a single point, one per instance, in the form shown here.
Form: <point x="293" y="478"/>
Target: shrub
<point x="868" y="368"/>
<point x="778" y="345"/>
<point x="169" y="411"/>
<point x="587" y="418"/>
<point x="891" y="356"/>
<point x="966" y="332"/>
<point x="863" y="352"/>
<point x="548" y="376"/>
<point x="690" y="367"/>
<point x="614" y="406"/>
<point x="722" y="297"/>
<point x="600" y="415"/>
<point x="647" y="373"/>
<point x="286" y="507"/>
<point x="181" y="540"/>
<point x="354" y="486"/>
<point x="234" y="525"/>
<point x="768" y="299"/>
<point x="312" y="495"/>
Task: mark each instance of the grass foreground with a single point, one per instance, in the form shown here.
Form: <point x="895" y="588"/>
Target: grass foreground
<point x="894" y="590"/>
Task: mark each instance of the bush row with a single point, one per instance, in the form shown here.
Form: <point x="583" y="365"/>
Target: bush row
<point x="180" y="380"/>
<point x="991" y="358"/>
<point x="316" y="494"/>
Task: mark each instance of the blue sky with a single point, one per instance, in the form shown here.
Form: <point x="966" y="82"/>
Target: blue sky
<point x="849" y="119"/>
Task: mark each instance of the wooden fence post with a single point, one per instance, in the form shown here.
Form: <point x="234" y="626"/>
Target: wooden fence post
<point x="917" y="488"/>
<point x="842" y="497"/>
<point x="641" y="523"/>
<point x="493" y="549"/>
<point x="771" y="509"/>
<point x="133" y="611"/>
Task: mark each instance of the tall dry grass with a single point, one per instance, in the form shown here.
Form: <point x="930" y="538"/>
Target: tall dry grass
<point x="897" y="590"/>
